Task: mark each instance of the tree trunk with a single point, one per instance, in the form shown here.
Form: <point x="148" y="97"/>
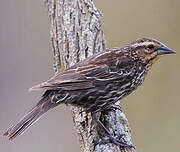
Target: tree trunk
<point x="75" y="35"/>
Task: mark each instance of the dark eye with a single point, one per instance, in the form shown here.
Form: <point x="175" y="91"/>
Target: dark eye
<point x="151" y="46"/>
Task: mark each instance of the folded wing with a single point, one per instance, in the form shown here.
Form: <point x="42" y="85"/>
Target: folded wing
<point x="87" y="74"/>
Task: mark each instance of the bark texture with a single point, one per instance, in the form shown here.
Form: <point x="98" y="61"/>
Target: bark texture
<point x="75" y="35"/>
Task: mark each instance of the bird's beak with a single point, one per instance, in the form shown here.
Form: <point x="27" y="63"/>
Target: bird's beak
<point x="165" y="50"/>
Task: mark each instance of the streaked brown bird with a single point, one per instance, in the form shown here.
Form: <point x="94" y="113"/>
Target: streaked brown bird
<point x="97" y="82"/>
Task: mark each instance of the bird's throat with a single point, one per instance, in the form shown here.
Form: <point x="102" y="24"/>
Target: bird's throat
<point x="152" y="61"/>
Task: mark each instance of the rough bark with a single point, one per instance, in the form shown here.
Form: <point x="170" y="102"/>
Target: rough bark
<point x="76" y="34"/>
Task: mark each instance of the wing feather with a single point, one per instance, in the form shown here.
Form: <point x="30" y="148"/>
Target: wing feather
<point x="87" y="74"/>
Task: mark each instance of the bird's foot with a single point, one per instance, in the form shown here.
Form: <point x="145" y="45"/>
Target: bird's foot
<point x="115" y="140"/>
<point x="110" y="138"/>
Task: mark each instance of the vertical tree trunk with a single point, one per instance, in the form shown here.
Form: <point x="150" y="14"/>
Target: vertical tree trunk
<point x="75" y="35"/>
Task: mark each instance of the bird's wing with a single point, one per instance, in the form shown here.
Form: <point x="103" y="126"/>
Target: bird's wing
<point x="73" y="79"/>
<point x="86" y="75"/>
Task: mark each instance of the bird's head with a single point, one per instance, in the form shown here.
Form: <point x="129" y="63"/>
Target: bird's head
<point x="149" y="50"/>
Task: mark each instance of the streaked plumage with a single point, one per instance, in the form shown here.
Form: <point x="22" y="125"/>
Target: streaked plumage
<point x="97" y="82"/>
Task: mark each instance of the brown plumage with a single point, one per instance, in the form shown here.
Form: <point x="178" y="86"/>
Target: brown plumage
<point x="97" y="82"/>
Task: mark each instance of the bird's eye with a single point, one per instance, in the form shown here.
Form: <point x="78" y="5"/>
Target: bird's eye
<point x="151" y="46"/>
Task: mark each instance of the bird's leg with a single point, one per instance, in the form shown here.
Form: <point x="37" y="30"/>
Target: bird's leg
<point x="112" y="139"/>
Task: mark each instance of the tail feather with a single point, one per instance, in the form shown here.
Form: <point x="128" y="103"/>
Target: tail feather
<point x="32" y="116"/>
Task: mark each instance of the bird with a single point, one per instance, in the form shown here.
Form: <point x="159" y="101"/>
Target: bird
<point x="97" y="82"/>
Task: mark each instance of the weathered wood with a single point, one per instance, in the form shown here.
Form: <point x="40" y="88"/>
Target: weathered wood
<point x="76" y="34"/>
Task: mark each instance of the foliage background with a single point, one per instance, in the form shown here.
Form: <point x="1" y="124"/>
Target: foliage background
<point x="26" y="59"/>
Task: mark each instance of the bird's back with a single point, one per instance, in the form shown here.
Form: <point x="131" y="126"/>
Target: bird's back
<point x="98" y="82"/>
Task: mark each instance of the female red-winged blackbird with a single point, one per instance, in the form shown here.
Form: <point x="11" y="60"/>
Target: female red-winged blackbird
<point x="97" y="82"/>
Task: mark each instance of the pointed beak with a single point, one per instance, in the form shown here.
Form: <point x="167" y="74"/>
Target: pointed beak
<point x="165" y="50"/>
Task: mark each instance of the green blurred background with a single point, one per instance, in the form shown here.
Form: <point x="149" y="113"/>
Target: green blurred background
<point x="26" y="59"/>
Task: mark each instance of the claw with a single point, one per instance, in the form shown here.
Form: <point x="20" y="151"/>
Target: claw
<point x="115" y="107"/>
<point x="114" y="140"/>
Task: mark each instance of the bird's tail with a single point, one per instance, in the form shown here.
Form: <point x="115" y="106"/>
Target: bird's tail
<point x="33" y="115"/>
